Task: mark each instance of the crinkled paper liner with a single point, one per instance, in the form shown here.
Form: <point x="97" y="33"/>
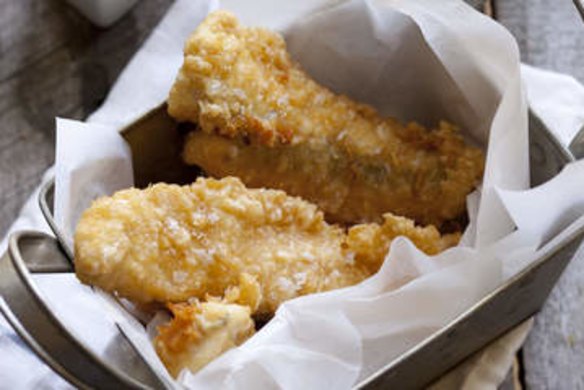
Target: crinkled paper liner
<point x="416" y="60"/>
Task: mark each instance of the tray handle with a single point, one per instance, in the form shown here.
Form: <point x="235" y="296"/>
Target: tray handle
<point x="25" y="310"/>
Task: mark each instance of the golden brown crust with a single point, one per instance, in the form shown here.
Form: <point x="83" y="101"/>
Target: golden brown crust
<point x="370" y="242"/>
<point x="200" y="332"/>
<point x="172" y="243"/>
<point x="264" y="120"/>
<point x="215" y="237"/>
<point x="253" y="249"/>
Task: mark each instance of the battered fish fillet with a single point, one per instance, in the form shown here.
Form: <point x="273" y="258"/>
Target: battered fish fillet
<point x="199" y="332"/>
<point x="370" y="242"/>
<point x="254" y="247"/>
<point x="261" y="118"/>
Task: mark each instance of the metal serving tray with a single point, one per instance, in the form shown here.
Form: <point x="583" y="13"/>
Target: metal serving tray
<point x="156" y="141"/>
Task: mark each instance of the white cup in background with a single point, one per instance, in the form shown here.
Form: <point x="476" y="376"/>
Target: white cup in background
<point x="103" y="13"/>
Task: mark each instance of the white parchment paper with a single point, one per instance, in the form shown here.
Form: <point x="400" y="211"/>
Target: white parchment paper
<point x="91" y="160"/>
<point x="414" y="59"/>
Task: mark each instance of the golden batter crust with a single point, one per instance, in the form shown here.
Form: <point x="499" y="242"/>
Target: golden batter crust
<point x="263" y="119"/>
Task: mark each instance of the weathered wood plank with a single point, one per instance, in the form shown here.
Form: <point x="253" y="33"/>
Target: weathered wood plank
<point x="54" y="63"/>
<point x="24" y="37"/>
<point x="553" y="354"/>
<point x="551" y="35"/>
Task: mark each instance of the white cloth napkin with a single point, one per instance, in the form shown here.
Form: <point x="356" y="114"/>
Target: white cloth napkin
<point x="557" y="99"/>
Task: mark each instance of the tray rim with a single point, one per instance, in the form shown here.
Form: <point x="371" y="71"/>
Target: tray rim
<point x="564" y="152"/>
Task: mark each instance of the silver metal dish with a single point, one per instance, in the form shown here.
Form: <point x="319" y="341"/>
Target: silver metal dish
<point x="156" y="141"/>
<point x="27" y="312"/>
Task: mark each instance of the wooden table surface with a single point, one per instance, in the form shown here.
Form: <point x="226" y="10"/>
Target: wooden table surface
<point x="55" y="63"/>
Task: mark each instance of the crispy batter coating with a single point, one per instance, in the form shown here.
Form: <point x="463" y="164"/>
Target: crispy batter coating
<point x="261" y="118"/>
<point x="171" y="243"/>
<point x="199" y="332"/>
<point x="255" y="247"/>
<point x="370" y="242"/>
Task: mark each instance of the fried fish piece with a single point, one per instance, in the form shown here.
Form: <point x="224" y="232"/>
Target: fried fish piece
<point x="201" y="331"/>
<point x="255" y="247"/>
<point x="261" y="118"/>
<point x="370" y="242"/>
<point x="169" y="243"/>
